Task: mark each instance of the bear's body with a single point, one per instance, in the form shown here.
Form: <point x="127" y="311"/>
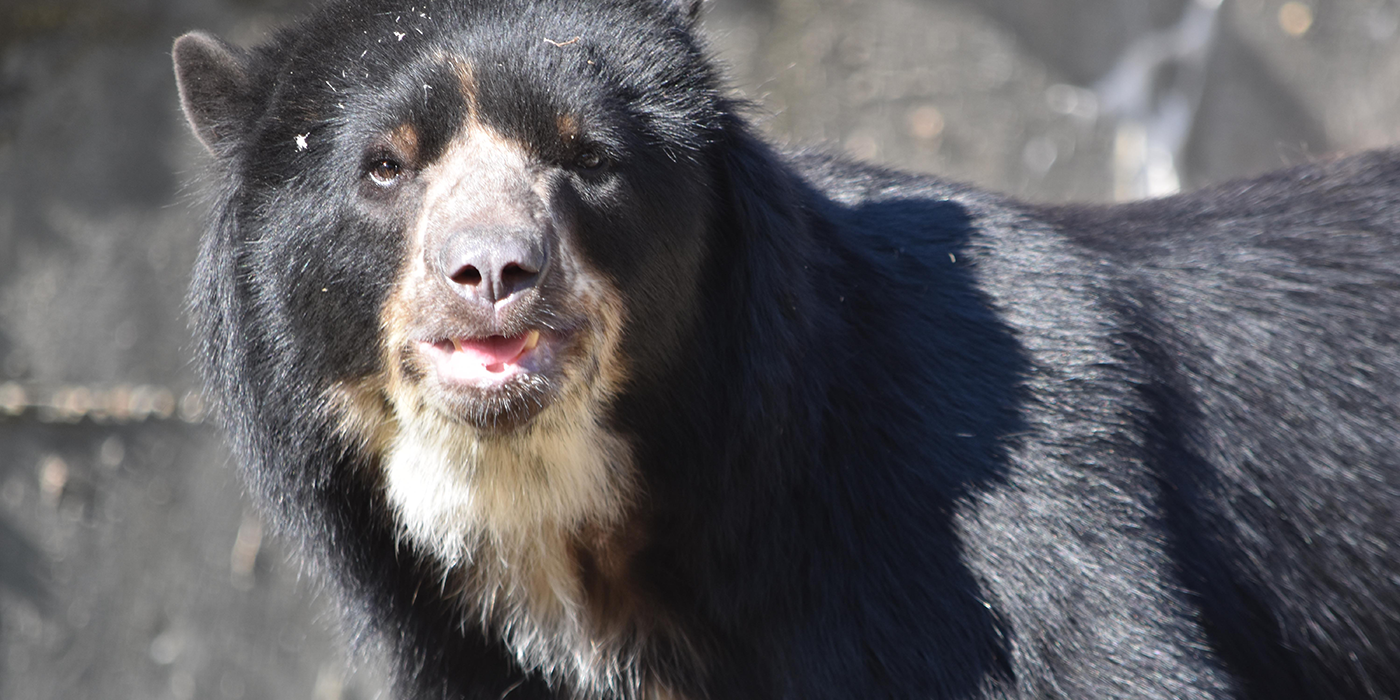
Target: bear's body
<point x="570" y="387"/>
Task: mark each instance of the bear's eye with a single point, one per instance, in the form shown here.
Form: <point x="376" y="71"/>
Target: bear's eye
<point x="385" y="172"/>
<point x="590" y="159"/>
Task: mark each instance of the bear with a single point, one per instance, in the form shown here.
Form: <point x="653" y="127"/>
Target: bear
<point x="567" y="384"/>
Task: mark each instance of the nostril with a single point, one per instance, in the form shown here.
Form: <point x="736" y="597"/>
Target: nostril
<point x="487" y="264"/>
<point x="514" y="276"/>
<point x="467" y="275"/>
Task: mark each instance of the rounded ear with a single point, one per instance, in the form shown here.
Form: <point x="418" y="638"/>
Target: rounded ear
<point x="687" y="10"/>
<point x="213" y="81"/>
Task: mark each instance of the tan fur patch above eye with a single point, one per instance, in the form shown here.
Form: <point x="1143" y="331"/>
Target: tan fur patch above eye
<point x="404" y="139"/>
<point x="569" y="128"/>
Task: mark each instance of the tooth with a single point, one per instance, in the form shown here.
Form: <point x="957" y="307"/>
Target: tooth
<point x="532" y="340"/>
<point x="457" y="344"/>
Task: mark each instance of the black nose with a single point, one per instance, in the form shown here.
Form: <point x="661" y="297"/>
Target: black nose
<point x="491" y="263"/>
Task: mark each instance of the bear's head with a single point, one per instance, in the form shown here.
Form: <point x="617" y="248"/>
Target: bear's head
<point x="452" y="233"/>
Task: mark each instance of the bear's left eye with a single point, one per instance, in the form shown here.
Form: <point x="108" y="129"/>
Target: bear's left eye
<point x="385" y="172"/>
<point x="590" y="159"/>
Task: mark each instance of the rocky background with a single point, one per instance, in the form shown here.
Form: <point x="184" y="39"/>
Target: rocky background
<point x="130" y="565"/>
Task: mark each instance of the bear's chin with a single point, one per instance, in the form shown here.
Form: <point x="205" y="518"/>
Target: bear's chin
<point x="507" y="406"/>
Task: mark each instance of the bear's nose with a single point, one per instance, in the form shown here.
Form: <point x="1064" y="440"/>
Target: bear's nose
<point x="492" y="264"/>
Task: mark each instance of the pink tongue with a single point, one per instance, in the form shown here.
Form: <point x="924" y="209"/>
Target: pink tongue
<point x="494" y="350"/>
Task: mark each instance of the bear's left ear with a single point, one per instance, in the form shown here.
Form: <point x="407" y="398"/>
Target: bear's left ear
<point x="213" y="81"/>
<point x="687" y="10"/>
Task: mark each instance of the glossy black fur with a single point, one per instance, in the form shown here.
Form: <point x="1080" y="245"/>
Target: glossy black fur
<point x="904" y="439"/>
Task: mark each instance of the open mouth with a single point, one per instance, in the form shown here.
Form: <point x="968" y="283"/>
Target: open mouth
<point x="483" y="362"/>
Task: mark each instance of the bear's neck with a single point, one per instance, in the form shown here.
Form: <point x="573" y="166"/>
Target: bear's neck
<point x="536" y="533"/>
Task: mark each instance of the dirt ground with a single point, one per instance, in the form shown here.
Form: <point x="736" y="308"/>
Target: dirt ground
<point x="130" y="564"/>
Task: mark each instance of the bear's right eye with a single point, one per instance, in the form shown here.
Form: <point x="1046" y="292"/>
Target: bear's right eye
<point x="385" y="172"/>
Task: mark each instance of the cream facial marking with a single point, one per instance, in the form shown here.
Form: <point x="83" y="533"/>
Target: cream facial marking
<point x="561" y="468"/>
<point x="515" y="516"/>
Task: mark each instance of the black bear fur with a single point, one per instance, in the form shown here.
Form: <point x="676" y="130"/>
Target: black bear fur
<point x="853" y="433"/>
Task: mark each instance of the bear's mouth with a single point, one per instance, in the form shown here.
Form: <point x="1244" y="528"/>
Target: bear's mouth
<point x="496" y="382"/>
<point x="486" y="362"/>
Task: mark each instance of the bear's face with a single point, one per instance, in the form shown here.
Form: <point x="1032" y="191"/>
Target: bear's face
<point x="462" y="229"/>
<point x="498" y="309"/>
<point x="510" y="175"/>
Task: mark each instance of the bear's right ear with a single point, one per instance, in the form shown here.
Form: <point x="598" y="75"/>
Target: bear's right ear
<point x="213" y="81"/>
<point x="688" y="11"/>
